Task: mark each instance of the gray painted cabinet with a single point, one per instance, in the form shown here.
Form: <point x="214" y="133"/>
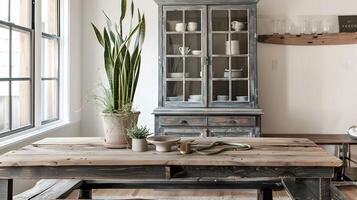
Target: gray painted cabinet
<point x="207" y="69"/>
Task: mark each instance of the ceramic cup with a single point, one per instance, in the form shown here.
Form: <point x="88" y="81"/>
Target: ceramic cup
<point x="184" y="51"/>
<point x="192" y="26"/>
<point x="232" y="47"/>
<point x="237" y="26"/>
<point x="180" y="27"/>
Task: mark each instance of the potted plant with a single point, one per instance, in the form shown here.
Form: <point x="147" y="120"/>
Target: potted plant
<point x="138" y="136"/>
<point x="122" y="61"/>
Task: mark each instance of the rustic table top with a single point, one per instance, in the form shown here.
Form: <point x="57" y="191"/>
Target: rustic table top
<point x="322" y="139"/>
<point x="274" y="152"/>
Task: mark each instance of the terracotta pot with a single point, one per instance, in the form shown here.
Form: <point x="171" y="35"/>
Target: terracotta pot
<point x="115" y="128"/>
<point x="139" y="145"/>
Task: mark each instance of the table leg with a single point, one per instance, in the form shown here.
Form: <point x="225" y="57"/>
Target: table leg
<point x="85" y="194"/>
<point x="6" y="190"/>
<point x="265" y="194"/>
<point x="310" y="189"/>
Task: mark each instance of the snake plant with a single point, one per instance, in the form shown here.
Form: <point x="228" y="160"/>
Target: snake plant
<point x="122" y="59"/>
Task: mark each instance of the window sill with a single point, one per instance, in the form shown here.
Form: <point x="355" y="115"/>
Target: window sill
<point x="27" y="135"/>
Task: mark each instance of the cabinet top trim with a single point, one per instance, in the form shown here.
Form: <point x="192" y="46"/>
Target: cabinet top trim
<point x="200" y="2"/>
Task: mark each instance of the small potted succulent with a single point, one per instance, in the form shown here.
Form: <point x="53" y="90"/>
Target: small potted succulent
<point x="138" y="136"/>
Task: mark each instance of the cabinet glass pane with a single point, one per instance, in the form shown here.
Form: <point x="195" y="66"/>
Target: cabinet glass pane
<point x="174" y="91"/>
<point x="193" y="43"/>
<point x="193" y="91"/>
<point x="219" y="66"/>
<point x="172" y="19"/>
<point x="219" y="43"/>
<point x="220" y="91"/>
<point x="240" y="68"/>
<point x="193" y="20"/>
<point x="174" y="67"/>
<point x="239" y="44"/>
<point x="239" y="20"/>
<point x="240" y="91"/>
<point x="220" y="20"/>
<point x="193" y="67"/>
<point x="173" y="44"/>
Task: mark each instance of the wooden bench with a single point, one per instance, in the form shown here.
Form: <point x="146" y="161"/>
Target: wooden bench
<point x="49" y="189"/>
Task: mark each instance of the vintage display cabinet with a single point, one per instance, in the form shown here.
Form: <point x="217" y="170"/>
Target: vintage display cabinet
<point x="207" y="69"/>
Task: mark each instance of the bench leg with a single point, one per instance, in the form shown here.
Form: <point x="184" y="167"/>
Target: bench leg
<point x="85" y="194"/>
<point x="312" y="189"/>
<point x="6" y="190"/>
<point x="265" y="194"/>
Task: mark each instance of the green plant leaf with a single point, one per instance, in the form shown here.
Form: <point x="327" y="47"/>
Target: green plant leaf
<point x="98" y="35"/>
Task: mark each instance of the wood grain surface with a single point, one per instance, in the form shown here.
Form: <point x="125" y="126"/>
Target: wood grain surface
<point x="279" y="152"/>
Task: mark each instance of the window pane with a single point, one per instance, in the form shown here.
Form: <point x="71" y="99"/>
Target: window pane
<point x="4" y="12"/>
<point x="21" y="52"/>
<point x="49" y="17"/>
<point x="4" y="52"/>
<point x="50" y="58"/>
<point x="4" y="106"/>
<point x="21" y="104"/>
<point x="21" y="12"/>
<point x="49" y="100"/>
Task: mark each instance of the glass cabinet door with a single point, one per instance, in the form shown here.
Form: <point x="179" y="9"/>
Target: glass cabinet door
<point x="184" y="72"/>
<point x="229" y="32"/>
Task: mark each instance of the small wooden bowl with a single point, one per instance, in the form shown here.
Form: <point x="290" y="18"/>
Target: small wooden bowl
<point x="163" y="143"/>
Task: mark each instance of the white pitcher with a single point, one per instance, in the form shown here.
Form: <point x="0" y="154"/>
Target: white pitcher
<point x="237" y="26"/>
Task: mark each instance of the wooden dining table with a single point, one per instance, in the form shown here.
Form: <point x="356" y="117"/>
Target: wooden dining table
<point x="303" y="168"/>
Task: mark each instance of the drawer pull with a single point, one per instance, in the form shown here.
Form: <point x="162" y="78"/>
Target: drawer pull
<point x="233" y="122"/>
<point x="184" y="122"/>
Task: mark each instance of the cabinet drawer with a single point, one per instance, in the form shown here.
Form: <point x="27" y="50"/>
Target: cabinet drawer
<point x="184" y="132"/>
<point x="183" y="121"/>
<point x="232" y="132"/>
<point x="231" y="121"/>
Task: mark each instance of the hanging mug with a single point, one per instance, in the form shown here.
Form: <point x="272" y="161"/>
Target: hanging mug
<point x="237" y="26"/>
<point x="184" y="50"/>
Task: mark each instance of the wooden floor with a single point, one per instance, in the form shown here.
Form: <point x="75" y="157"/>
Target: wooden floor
<point x="146" y="194"/>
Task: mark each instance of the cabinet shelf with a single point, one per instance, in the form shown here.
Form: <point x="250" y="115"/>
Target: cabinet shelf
<point x="181" y="79"/>
<point x="227" y="56"/>
<point x="227" y="79"/>
<point x="180" y="33"/>
<point x="324" y="39"/>
<point x="227" y="32"/>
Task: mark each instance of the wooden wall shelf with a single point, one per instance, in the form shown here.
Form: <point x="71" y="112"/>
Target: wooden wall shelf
<point x="323" y="39"/>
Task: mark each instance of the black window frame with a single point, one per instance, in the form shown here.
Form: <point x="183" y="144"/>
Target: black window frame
<point x="12" y="26"/>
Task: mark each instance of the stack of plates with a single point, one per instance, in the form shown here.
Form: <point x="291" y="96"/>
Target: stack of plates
<point x="236" y="73"/>
<point x="242" y="98"/>
<point x="222" y="97"/>
<point x="176" y="98"/>
<point x="195" y="98"/>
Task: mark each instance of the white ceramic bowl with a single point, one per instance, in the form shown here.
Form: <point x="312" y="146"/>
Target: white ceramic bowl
<point x="196" y="52"/>
<point x="242" y="98"/>
<point x="177" y="98"/>
<point x="235" y="74"/>
<point x="178" y="75"/>
<point x="163" y="143"/>
<point x="222" y="97"/>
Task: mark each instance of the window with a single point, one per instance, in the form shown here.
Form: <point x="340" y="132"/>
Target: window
<point x="50" y="61"/>
<point x="18" y="83"/>
<point x="16" y="66"/>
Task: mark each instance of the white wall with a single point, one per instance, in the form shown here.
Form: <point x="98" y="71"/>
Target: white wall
<point x="92" y="59"/>
<point x="309" y="89"/>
